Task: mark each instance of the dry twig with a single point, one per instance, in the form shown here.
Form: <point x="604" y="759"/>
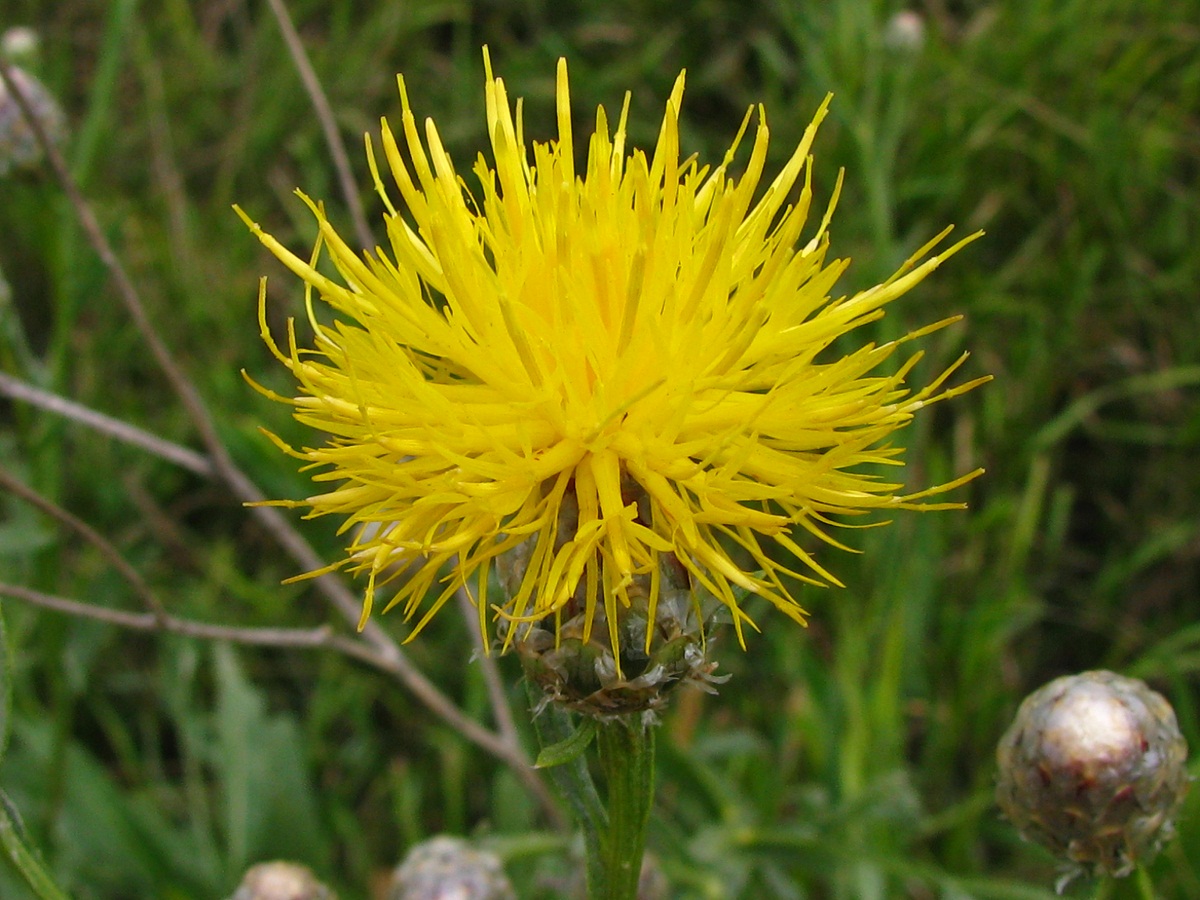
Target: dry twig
<point x="333" y="137"/>
<point x="390" y="657"/>
<point x="115" y="428"/>
<point x="322" y="636"/>
<point x="92" y="536"/>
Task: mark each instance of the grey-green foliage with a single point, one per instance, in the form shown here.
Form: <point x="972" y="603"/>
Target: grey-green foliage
<point x="241" y="791"/>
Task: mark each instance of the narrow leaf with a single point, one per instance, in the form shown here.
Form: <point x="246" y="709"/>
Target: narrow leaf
<point x="23" y="858"/>
<point x="569" y="748"/>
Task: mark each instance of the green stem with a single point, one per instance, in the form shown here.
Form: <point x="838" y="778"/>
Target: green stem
<point x="1145" y="885"/>
<point x="615" y="836"/>
<point x="22" y="857"/>
<point x="574" y="782"/>
<point x="626" y="747"/>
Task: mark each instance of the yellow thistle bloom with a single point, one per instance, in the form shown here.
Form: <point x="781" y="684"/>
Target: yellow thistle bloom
<point x="643" y="344"/>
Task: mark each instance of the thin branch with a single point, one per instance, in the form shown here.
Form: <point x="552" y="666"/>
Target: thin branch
<point x="124" y="285"/>
<point x="322" y="636"/>
<point x="115" y="428"/>
<point x="92" y="536"/>
<point x="387" y="657"/>
<point x="320" y="103"/>
<point x="223" y="464"/>
<point x="501" y="710"/>
<point x="243" y="488"/>
<point x="199" y="464"/>
<point x="392" y="657"/>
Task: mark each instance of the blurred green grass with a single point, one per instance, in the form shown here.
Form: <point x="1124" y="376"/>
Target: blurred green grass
<point x="849" y="760"/>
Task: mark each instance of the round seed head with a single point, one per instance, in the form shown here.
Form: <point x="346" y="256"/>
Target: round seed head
<point x="281" y="881"/>
<point x="905" y="32"/>
<point x="1093" y="769"/>
<point x="449" y="868"/>
<point x="19" y="45"/>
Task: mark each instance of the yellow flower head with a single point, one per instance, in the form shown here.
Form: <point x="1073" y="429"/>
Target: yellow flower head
<point x="636" y="354"/>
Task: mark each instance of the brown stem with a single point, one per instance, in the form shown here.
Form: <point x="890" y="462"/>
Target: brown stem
<point x="97" y="421"/>
<point x="392" y="658"/>
<point x="501" y="710"/>
<point x="322" y="636"/>
<point x="92" y="536"/>
<point x="320" y="103"/>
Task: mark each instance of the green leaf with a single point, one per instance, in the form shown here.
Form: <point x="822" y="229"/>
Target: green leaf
<point x="271" y="808"/>
<point x="569" y="748"/>
<point x="24" y="858"/>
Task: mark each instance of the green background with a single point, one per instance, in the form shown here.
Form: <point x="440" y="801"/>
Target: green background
<point x="853" y="759"/>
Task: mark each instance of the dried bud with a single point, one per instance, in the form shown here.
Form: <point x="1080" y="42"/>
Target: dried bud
<point x="449" y="868"/>
<point x="904" y="32"/>
<point x="281" y="881"/>
<point x="19" y="45"/>
<point x="1093" y="768"/>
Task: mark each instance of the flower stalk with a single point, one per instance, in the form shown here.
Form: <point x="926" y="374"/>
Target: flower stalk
<point x="569" y="772"/>
<point x="614" y="830"/>
<point x="626" y="752"/>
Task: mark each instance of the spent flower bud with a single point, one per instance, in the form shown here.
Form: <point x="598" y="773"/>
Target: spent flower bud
<point x="19" y="45"/>
<point x="280" y="880"/>
<point x="1093" y="769"/>
<point x="449" y="868"/>
<point x="905" y="32"/>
